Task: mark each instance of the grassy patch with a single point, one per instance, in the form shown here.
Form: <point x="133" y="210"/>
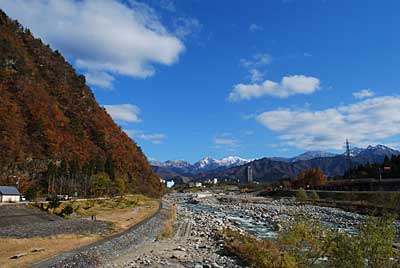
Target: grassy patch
<point x="168" y="229"/>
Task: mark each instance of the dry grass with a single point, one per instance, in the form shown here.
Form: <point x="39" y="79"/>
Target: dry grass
<point x="51" y="246"/>
<point x="123" y="213"/>
<point x="168" y="229"/>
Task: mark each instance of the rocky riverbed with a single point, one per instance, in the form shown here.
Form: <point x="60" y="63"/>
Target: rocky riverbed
<point x="263" y="216"/>
<point x="196" y="242"/>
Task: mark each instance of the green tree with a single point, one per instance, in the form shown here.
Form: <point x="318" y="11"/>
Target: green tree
<point x="100" y="183"/>
<point x="109" y="167"/>
<point x="346" y="252"/>
<point x="376" y="239"/>
<point x="30" y="194"/>
<point x="54" y="202"/>
<point x="120" y="186"/>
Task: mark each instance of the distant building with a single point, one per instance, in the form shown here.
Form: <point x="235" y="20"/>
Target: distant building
<point x="170" y="183"/>
<point x="249" y="174"/>
<point x="215" y="181"/>
<point x="9" y="194"/>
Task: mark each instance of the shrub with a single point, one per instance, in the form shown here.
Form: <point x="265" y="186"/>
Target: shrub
<point x="314" y="196"/>
<point x="68" y="210"/>
<point x="301" y="195"/>
<point x="54" y="202"/>
<point x="308" y="244"/>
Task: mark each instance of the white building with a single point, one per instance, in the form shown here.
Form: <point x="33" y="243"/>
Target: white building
<point x="170" y="184"/>
<point x="9" y="194"/>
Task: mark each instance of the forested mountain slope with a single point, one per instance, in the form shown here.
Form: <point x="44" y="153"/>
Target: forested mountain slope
<point x="53" y="132"/>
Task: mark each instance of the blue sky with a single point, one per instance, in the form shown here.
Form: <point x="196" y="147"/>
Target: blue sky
<point x="191" y="78"/>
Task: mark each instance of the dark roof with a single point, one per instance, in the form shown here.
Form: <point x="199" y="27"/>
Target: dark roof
<point x="9" y="190"/>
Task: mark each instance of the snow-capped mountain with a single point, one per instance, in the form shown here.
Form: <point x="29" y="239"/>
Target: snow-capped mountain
<point x="304" y="156"/>
<point x="373" y="152"/>
<point x="205" y="164"/>
<point x="311" y="155"/>
<point x="332" y="164"/>
<point x="209" y="163"/>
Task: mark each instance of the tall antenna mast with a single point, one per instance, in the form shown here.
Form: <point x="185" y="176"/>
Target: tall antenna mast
<point x="348" y="158"/>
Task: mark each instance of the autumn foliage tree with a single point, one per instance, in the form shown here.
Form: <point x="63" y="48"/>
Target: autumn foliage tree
<point x="310" y="177"/>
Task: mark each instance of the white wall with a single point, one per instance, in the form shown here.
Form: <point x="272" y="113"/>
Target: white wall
<point x="9" y="198"/>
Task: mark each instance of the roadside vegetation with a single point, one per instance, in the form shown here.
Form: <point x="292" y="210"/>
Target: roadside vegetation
<point x="307" y="244"/>
<point x="168" y="229"/>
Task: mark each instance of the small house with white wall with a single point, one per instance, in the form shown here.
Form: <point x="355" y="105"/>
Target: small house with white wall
<point x="9" y="194"/>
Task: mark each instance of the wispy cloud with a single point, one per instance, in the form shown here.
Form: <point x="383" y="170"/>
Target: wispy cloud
<point x="364" y="93"/>
<point x="226" y="141"/>
<point x="255" y="27"/>
<point x="155" y="138"/>
<point x="365" y="122"/>
<point x="256" y="61"/>
<point x="186" y="26"/>
<point x="289" y="85"/>
<point x="100" y="79"/>
<point x="168" y="5"/>
<point x="256" y="75"/>
<point x="124" y="112"/>
<point x="105" y="37"/>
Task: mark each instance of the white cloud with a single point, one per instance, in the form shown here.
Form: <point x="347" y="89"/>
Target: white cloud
<point x="225" y="141"/>
<point x="257" y="60"/>
<point x="168" y="5"/>
<point x="124" y="112"/>
<point x="155" y="138"/>
<point x="100" y="79"/>
<point x="364" y="93"/>
<point x="255" y="27"/>
<point x="289" y="85"/>
<point x="186" y="26"/>
<point x="366" y="122"/>
<point x="106" y="36"/>
<point x="256" y="75"/>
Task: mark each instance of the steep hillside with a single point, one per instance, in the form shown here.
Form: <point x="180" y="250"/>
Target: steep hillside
<point x="50" y="118"/>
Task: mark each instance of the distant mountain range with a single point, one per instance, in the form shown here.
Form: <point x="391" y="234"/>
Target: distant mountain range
<point x="174" y="168"/>
<point x="269" y="168"/>
<point x="304" y="156"/>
